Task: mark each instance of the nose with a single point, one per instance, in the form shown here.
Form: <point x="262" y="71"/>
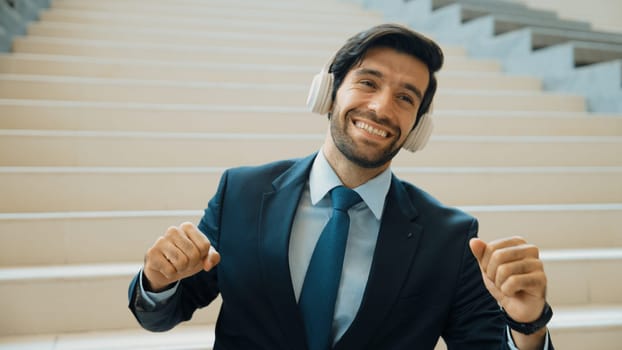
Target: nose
<point x="380" y="103"/>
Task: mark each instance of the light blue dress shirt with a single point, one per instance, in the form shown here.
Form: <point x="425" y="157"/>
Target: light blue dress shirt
<point x="314" y="210"/>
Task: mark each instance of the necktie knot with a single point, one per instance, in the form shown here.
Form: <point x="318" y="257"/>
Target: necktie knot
<point x="344" y="198"/>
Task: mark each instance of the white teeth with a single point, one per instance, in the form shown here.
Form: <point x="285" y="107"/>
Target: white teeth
<point x="362" y="125"/>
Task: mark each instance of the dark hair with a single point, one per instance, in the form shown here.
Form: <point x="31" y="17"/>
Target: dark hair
<point x="396" y="37"/>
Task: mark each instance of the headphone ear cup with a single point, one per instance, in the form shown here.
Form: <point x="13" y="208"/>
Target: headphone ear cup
<point x="419" y="136"/>
<point x="320" y="98"/>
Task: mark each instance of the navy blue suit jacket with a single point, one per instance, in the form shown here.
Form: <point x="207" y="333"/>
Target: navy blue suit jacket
<point x="424" y="282"/>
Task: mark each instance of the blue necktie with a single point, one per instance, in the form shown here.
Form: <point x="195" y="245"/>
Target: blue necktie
<point x="319" y="290"/>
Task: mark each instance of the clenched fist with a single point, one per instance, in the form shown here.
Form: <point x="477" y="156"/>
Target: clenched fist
<point x="513" y="273"/>
<point x="180" y="253"/>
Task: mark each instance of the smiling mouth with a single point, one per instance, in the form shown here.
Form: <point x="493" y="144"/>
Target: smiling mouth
<point x="370" y="129"/>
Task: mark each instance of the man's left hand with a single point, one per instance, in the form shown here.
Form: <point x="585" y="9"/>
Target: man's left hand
<point x="514" y="274"/>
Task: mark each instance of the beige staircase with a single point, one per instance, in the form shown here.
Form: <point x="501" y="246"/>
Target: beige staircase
<point x="118" y="117"/>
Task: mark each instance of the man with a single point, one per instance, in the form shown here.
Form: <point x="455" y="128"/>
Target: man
<point x="410" y="270"/>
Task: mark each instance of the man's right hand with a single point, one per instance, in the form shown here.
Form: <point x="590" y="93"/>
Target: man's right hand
<point x="181" y="252"/>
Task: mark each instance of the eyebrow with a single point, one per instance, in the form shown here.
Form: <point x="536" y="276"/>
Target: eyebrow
<point x="364" y="71"/>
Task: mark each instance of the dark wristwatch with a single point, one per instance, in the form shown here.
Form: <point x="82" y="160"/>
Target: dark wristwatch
<point x="531" y="327"/>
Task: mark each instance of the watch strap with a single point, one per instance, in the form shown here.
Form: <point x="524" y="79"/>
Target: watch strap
<point x="531" y="327"/>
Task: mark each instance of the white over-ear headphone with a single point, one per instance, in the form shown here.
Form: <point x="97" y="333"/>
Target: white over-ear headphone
<point x="320" y="101"/>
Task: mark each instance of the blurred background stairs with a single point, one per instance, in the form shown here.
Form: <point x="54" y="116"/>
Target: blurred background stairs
<point x="118" y="117"/>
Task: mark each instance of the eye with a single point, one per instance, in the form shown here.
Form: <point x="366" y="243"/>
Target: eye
<point x="368" y="83"/>
<point x="407" y="98"/>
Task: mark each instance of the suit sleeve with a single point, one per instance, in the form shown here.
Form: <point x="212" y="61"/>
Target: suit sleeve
<point x="475" y="321"/>
<point x="194" y="292"/>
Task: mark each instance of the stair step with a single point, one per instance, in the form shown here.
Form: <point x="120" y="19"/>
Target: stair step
<point x="543" y="37"/>
<point x="103" y="237"/>
<point x="207" y="12"/>
<point x="318" y="5"/>
<point x="37" y="189"/>
<point x="516" y="123"/>
<point x="222" y="37"/>
<point x="122" y="34"/>
<point x="588" y="327"/>
<point x="552" y="226"/>
<point x="508" y="22"/>
<point x="106" y="116"/>
<point x="233" y="23"/>
<point x="321" y="6"/>
<point x="183" y="337"/>
<point x="68" y="286"/>
<point x="567" y="274"/>
<point x="169" y="72"/>
<point x="287" y="95"/>
<point x="592" y="282"/>
<point x="192" y="53"/>
<point x="104" y="148"/>
<point x="108" y="237"/>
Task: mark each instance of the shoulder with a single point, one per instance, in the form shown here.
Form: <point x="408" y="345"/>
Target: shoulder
<point x="265" y="170"/>
<point x="432" y="210"/>
<point x="264" y="177"/>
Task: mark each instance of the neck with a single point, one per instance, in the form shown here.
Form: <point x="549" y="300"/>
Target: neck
<point x="350" y="174"/>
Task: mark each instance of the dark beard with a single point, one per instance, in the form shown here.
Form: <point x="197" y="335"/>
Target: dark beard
<point x="346" y="146"/>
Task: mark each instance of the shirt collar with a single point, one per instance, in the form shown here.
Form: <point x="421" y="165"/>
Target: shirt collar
<point x="322" y="179"/>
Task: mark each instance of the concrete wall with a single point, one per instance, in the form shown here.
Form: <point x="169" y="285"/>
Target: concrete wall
<point x="603" y="14"/>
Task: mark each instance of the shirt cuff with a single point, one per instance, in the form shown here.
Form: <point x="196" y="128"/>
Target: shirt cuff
<point x="512" y="346"/>
<point x="152" y="299"/>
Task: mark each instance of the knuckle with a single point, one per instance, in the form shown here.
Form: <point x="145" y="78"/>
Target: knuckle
<point x="495" y="256"/>
<point x="503" y="271"/>
<point x="532" y="281"/>
<point x="155" y="265"/>
<point x="186" y="226"/>
<point x="173" y="257"/>
<point x="151" y="251"/>
<point x="539" y="265"/>
<point x="539" y="278"/>
<point x="509" y="285"/>
<point x="178" y="260"/>
<point x="182" y="262"/>
<point x="543" y="279"/>
<point x="159" y="243"/>
<point x="181" y="267"/>
<point x="193" y="255"/>
<point x="169" y="270"/>
<point x="492" y="275"/>
<point x="148" y="263"/>
<point x="171" y="231"/>
<point x="205" y="246"/>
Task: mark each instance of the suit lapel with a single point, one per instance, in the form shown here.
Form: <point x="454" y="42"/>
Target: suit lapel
<point x="276" y="218"/>
<point x="395" y="249"/>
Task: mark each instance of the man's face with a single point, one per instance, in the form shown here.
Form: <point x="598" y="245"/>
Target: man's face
<point x="376" y="106"/>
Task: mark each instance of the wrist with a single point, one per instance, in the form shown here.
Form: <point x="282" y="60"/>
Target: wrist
<point x="154" y="287"/>
<point x="535" y="341"/>
<point x="532" y="327"/>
